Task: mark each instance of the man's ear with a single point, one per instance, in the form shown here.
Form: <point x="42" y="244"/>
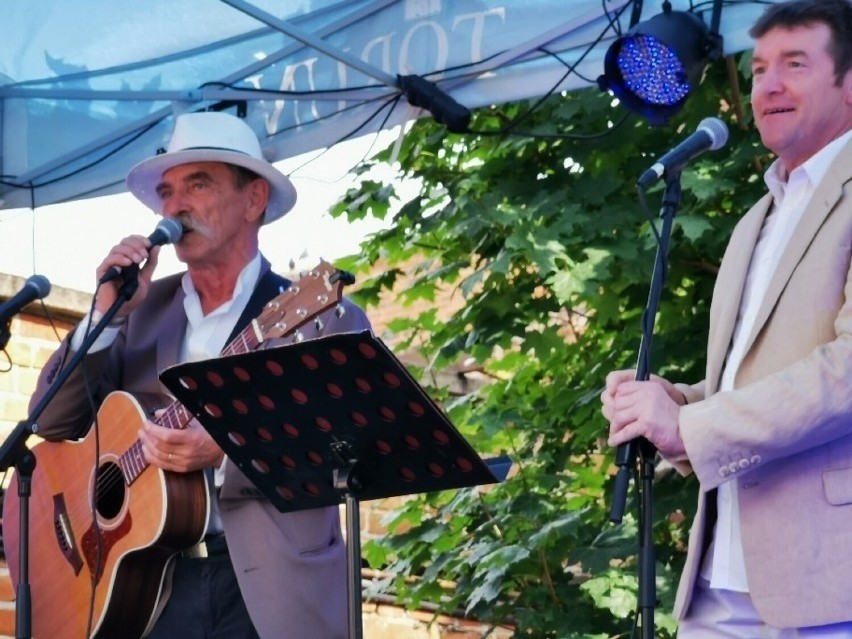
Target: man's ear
<point x="846" y="84"/>
<point x="258" y="198"/>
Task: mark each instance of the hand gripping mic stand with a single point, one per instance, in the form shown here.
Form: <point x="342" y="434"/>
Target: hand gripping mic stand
<point x="626" y="454"/>
<point x="14" y="452"/>
<point x="329" y="420"/>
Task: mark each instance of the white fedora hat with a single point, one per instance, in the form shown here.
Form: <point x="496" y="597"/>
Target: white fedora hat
<point x="212" y="136"/>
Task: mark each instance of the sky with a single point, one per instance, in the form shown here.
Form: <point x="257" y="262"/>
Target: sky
<point x="66" y="242"/>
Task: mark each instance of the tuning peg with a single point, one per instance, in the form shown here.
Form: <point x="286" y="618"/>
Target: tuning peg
<point x="339" y="311"/>
<point x="318" y="324"/>
<point x="298" y="337"/>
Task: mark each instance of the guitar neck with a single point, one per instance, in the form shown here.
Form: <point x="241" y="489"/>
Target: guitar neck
<point x="175" y="415"/>
<point x="316" y="291"/>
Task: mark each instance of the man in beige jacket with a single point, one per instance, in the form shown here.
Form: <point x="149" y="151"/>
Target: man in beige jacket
<point x="769" y="430"/>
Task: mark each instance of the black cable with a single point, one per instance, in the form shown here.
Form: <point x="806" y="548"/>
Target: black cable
<point x="570" y="69"/>
<point x="351" y="133"/>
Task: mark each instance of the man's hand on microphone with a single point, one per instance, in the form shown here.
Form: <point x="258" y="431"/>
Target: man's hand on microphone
<point x="134" y="249"/>
<point x="648" y="409"/>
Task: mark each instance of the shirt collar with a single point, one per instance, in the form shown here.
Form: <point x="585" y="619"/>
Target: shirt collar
<point x="812" y="170"/>
<point x="243" y="288"/>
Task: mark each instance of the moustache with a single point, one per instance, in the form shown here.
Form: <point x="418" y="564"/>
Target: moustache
<point x="191" y="225"/>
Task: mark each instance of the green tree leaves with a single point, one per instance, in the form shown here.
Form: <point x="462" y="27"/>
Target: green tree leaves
<point x="534" y="256"/>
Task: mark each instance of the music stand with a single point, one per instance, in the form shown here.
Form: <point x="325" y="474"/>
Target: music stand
<point x="326" y="420"/>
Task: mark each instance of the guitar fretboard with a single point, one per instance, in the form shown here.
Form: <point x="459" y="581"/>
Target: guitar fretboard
<point x="316" y="291"/>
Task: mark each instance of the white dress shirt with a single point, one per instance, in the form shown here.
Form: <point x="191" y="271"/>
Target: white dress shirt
<point x="206" y="337"/>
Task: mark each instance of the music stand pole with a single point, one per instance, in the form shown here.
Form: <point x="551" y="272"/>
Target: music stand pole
<point x="345" y="481"/>
<point x="14" y="452"/>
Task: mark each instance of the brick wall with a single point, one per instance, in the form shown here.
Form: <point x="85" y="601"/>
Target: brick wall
<point x="34" y="338"/>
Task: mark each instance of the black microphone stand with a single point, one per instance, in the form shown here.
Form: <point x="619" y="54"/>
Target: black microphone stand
<point x="640" y="450"/>
<point x="14" y="452"/>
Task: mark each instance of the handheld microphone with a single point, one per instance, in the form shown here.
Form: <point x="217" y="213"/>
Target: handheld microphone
<point x="711" y="134"/>
<point x="168" y="231"/>
<point x="35" y="288"/>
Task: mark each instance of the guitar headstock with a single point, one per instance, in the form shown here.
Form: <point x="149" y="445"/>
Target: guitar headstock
<point x="316" y="291"/>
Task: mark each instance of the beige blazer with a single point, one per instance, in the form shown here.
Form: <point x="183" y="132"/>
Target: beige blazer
<point x="785" y="432"/>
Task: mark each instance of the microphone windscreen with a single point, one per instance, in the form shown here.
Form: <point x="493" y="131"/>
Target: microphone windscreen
<point x="168" y="231"/>
<point x="717" y="130"/>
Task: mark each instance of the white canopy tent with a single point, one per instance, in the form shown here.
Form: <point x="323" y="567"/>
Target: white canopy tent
<point x="89" y="88"/>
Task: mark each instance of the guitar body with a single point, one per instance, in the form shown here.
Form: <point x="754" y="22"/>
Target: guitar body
<point x="140" y="528"/>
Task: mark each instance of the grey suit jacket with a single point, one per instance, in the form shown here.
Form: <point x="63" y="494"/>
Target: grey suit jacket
<point x="785" y="432"/>
<point x="291" y="567"/>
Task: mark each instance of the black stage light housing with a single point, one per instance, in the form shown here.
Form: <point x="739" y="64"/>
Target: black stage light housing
<point x="654" y="67"/>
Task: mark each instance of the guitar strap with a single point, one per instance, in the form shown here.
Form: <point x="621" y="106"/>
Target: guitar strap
<point x="269" y="286"/>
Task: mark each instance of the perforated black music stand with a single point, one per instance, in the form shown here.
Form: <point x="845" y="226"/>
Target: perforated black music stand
<point x="330" y="420"/>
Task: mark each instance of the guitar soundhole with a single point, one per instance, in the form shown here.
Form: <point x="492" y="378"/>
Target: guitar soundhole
<point x="110" y="490"/>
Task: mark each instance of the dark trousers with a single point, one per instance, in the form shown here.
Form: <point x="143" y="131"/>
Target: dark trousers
<point x="205" y="602"/>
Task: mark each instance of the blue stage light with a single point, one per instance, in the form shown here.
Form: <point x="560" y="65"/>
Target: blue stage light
<point x="654" y="67"/>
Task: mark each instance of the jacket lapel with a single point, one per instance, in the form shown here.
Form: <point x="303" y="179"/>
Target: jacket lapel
<point x="730" y="283"/>
<point x="824" y="200"/>
<point x="169" y="343"/>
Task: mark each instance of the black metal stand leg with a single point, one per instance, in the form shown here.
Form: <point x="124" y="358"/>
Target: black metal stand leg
<point x="343" y="480"/>
<point x="647" y="556"/>
<point x="23" y="603"/>
<point x="353" y="561"/>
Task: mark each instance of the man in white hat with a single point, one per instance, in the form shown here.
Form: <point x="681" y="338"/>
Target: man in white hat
<point x="279" y="576"/>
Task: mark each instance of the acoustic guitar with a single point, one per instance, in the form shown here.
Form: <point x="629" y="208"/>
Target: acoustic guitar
<point x="111" y="566"/>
